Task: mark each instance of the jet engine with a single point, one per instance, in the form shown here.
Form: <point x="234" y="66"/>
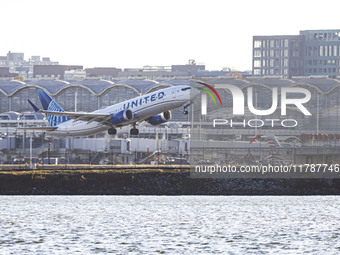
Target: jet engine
<point x="160" y="118"/>
<point x="121" y="117"/>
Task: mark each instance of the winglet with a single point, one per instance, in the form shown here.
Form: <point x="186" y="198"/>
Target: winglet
<point x="36" y="109"/>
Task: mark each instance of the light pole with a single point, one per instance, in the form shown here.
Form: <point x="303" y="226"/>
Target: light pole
<point x="147" y="153"/>
<point x="49" y="153"/>
<point x="317" y="113"/>
<point x="31" y="152"/>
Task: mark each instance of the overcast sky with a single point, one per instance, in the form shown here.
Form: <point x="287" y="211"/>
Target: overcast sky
<point x="133" y="33"/>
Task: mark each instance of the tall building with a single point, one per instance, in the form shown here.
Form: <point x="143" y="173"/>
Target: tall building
<point x="322" y="52"/>
<point x="313" y="52"/>
<point x="277" y="55"/>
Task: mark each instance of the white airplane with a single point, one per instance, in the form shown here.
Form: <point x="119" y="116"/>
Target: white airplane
<point x="153" y="108"/>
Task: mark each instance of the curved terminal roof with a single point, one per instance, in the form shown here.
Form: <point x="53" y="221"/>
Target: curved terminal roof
<point x="96" y="86"/>
<point x="53" y="86"/>
<point x="9" y="116"/>
<point x="324" y="85"/>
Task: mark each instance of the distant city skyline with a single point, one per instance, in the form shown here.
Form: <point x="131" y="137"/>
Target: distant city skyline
<point x="132" y="34"/>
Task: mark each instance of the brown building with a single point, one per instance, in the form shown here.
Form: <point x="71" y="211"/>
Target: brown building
<point x="4" y="72"/>
<point x="187" y="68"/>
<point x="52" y="71"/>
<point x="103" y="72"/>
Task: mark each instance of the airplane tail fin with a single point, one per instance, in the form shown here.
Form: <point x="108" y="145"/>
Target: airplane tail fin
<point x="49" y="104"/>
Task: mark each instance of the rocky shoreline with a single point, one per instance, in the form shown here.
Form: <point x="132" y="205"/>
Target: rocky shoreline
<point x="152" y="182"/>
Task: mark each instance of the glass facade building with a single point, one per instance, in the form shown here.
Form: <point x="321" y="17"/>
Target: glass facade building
<point x="313" y="52"/>
<point x="322" y="52"/>
<point x="277" y="55"/>
<point x="90" y="95"/>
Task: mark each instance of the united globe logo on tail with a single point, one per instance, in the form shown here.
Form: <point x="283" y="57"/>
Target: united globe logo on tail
<point x="49" y="104"/>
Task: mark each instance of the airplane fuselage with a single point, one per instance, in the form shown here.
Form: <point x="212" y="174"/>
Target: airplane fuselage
<point x="142" y="107"/>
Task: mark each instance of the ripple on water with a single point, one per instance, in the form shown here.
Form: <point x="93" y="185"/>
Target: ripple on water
<point x="161" y="224"/>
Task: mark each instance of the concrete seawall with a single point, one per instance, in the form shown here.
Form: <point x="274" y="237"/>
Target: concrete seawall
<point x="148" y="180"/>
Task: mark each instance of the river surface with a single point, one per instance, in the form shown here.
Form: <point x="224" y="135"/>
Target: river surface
<point x="170" y="224"/>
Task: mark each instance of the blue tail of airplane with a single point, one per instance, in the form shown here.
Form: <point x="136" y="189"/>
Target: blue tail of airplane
<point x="49" y="104"/>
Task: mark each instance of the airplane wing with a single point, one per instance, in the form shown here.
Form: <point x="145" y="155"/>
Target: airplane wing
<point x="38" y="128"/>
<point x="89" y="117"/>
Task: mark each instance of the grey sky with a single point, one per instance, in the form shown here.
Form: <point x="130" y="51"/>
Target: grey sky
<point x="134" y="33"/>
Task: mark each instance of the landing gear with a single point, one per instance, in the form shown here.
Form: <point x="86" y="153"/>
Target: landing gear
<point x="185" y="109"/>
<point x="112" y="131"/>
<point x="134" y="131"/>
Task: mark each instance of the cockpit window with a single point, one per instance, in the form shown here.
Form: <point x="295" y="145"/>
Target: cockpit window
<point x="184" y="89"/>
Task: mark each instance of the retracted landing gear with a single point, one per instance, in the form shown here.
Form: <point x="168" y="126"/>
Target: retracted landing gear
<point x="112" y="131"/>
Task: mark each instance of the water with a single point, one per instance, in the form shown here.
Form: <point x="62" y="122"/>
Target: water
<point x="173" y="225"/>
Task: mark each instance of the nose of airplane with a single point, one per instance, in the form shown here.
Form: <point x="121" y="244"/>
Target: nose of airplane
<point x="193" y="94"/>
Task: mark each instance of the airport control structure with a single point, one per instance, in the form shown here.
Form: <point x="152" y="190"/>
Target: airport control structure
<point x="186" y="137"/>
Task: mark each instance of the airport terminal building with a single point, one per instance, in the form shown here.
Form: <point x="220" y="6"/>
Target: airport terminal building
<point x="308" y="141"/>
